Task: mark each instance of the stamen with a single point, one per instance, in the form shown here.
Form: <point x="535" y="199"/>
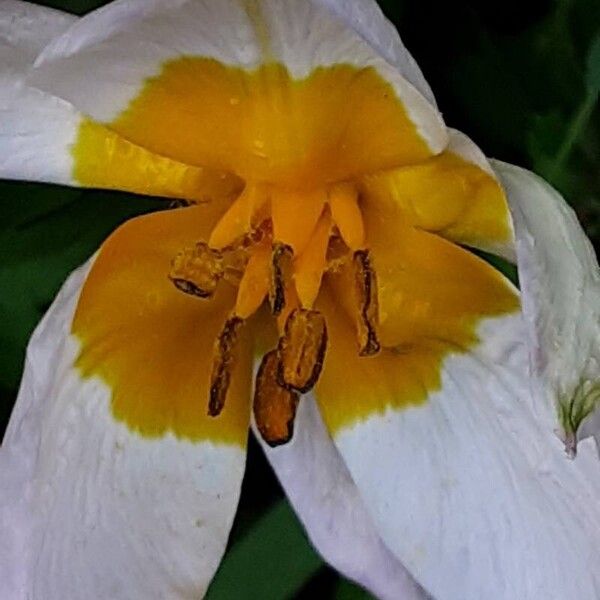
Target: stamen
<point x="311" y="264"/>
<point x="281" y="267"/>
<point x="197" y="270"/>
<point x="295" y="215"/>
<point x="366" y="293"/>
<point x="274" y="406"/>
<point x="302" y="350"/>
<point x="255" y="282"/>
<point x="343" y="201"/>
<point x="240" y="218"/>
<point x="223" y="363"/>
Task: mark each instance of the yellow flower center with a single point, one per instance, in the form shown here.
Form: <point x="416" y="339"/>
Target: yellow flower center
<point x="277" y="244"/>
<point x="317" y="193"/>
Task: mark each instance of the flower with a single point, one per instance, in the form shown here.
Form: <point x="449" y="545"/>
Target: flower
<point x="330" y="208"/>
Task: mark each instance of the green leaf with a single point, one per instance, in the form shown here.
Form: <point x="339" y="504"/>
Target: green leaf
<point x="273" y="561"/>
<point x="592" y="69"/>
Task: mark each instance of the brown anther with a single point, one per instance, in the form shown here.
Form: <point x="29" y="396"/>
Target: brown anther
<point x="366" y="296"/>
<point x="197" y="270"/>
<point x="301" y="350"/>
<point x="223" y="364"/>
<point x="274" y="406"/>
<point x="281" y="271"/>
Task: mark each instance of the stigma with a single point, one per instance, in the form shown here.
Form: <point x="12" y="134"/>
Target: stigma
<point x="277" y="246"/>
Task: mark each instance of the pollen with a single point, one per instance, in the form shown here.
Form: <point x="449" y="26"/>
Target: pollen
<point x="278" y="246"/>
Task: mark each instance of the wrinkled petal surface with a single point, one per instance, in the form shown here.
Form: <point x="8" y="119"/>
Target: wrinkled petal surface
<point x="560" y="282"/>
<point x="468" y="489"/>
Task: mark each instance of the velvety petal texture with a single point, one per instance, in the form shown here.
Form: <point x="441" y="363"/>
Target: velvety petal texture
<point x="90" y="508"/>
<point x="468" y="489"/>
<point x="560" y="282"/>
<point x="330" y="507"/>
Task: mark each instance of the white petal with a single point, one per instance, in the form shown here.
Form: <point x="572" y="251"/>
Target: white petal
<point x="102" y="62"/>
<point x="470" y="490"/>
<point x="327" y="502"/>
<point x="36" y="130"/>
<point x="89" y="509"/>
<point x="26" y="28"/>
<point x="36" y="133"/>
<point x="367" y="19"/>
<point x="560" y="283"/>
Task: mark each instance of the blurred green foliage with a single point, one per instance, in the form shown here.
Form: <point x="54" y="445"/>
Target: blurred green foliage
<point x="522" y="79"/>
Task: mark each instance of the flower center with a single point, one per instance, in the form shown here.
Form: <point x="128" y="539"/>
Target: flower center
<point x="277" y="244"/>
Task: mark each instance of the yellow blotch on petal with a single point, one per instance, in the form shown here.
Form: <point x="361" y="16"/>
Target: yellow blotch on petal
<point x="446" y="195"/>
<point x="153" y="345"/>
<point x="432" y="296"/>
<point x="352" y="388"/>
<point x="265" y="126"/>
<point x="104" y="159"/>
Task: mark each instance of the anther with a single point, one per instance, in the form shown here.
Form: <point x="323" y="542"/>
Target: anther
<point x="274" y="405"/>
<point x="197" y="270"/>
<point x="280" y="272"/>
<point x="302" y="349"/>
<point x="223" y="364"/>
<point x="366" y="296"/>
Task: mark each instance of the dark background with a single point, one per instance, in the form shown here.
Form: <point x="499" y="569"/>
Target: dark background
<point x="520" y="78"/>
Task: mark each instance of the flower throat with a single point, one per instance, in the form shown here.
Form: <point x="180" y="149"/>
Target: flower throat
<point x="278" y="244"/>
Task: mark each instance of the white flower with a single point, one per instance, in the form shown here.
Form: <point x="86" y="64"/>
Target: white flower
<point x="330" y="211"/>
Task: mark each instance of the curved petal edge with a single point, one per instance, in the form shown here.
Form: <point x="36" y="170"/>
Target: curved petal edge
<point x="560" y="283"/>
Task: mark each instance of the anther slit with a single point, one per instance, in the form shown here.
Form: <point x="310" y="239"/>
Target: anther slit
<point x="223" y="365"/>
<point x="366" y="292"/>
